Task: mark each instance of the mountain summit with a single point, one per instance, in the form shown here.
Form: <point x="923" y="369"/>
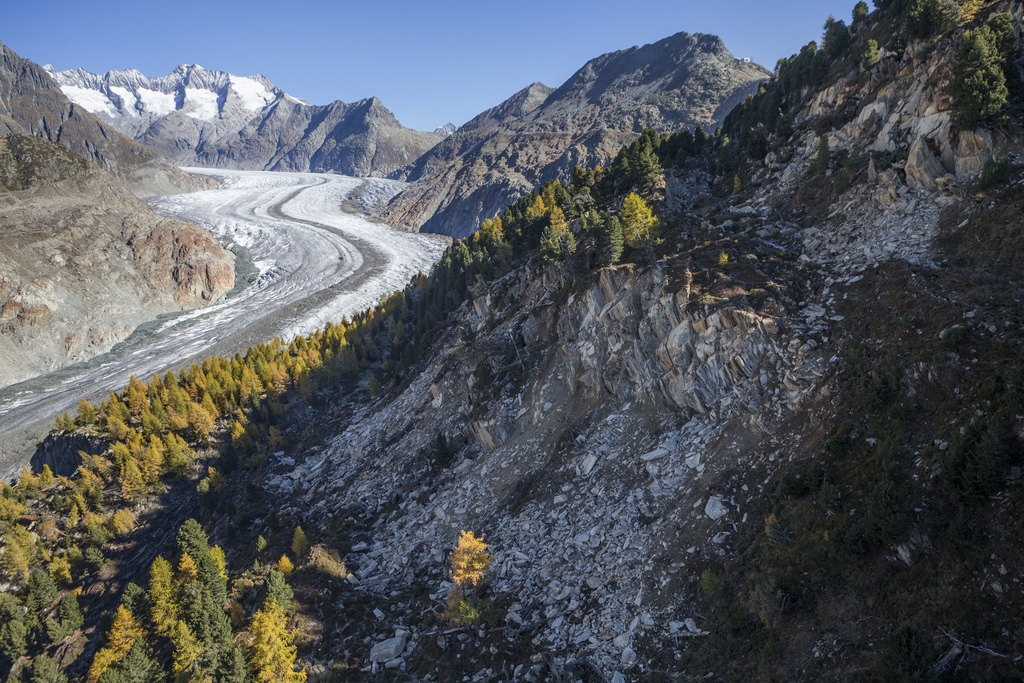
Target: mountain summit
<point x="684" y="81"/>
<point x="197" y="116"/>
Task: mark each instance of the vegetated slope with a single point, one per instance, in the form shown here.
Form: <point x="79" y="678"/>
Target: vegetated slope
<point x="83" y="261"/>
<point x="683" y="81"/>
<point x="201" y="117"/>
<point x="788" y="448"/>
<point x="29" y="96"/>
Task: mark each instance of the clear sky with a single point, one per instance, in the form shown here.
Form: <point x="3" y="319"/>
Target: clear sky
<point x="429" y="62"/>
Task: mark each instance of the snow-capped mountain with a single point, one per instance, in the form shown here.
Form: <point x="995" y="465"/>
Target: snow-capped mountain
<point x="202" y="117"/>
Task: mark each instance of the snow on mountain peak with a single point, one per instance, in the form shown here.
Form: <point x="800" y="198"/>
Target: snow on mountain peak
<point x="130" y="101"/>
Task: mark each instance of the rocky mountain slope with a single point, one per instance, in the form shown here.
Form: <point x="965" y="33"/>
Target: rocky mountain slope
<point x="29" y="97"/>
<point x="83" y="262"/>
<point x="784" y="442"/>
<point x="200" y="117"/>
<point x="683" y="81"/>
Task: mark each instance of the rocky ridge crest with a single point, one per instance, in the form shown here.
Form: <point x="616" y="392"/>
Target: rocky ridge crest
<point x="680" y="82"/>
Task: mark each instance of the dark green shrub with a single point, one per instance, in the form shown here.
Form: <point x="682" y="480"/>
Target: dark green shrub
<point x="887" y="517"/>
<point x="712" y="586"/>
<point x="996" y="172"/>
<point x="905" y="657"/>
<point x="976" y="461"/>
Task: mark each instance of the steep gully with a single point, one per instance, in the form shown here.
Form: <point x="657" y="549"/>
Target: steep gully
<point x="303" y="262"/>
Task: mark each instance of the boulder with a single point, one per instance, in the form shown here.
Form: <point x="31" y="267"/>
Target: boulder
<point x="387" y="650"/>
<point x="922" y="167"/>
<point x="973" y="149"/>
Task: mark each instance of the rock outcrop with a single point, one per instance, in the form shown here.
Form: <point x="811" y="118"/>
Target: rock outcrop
<point x="30" y="99"/>
<point x="201" y="117"/>
<point x="83" y="261"/>
<point x="539" y="133"/>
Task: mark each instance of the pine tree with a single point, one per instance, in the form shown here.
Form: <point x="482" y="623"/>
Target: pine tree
<point x="608" y="238"/>
<point x="285" y="566"/>
<point x="162" y="589"/>
<point x="67" y="620"/>
<point x="139" y="665"/>
<point x="979" y="86"/>
<point x="872" y="55"/>
<point x="276" y="589"/>
<point x="41" y="591"/>
<point x="14" y="639"/>
<point x="232" y="667"/>
<point x="273" y="649"/>
<point x="860" y="12"/>
<point x="45" y="670"/>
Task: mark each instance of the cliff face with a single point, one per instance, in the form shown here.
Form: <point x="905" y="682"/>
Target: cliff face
<point x="83" y="261"/>
<point x="538" y="134"/>
<point x="201" y="117"/>
<point x="30" y="98"/>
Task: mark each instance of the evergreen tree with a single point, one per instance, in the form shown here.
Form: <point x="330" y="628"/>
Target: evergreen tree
<point x="137" y="602"/>
<point x="872" y="55"/>
<point x="41" y="591"/>
<point x="273" y="649"/>
<point x="979" y="86"/>
<point x="67" y="620"/>
<point x="648" y="167"/>
<point x="232" y="667"/>
<point x="1003" y="27"/>
<point x="608" y="236"/>
<point x="139" y="665"/>
<point x="860" y="12"/>
<point x="45" y="670"/>
<point x="927" y="18"/>
<point x="14" y="639"/>
<point x="837" y="38"/>
<point x="276" y="589"/>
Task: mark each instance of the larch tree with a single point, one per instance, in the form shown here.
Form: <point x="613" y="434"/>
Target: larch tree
<point x="120" y="639"/>
<point x="639" y="226"/>
<point x="470" y="560"/>
<point x="273" y="649"/>
<point x="162" y="589"/>
<point x="299" y="542"/>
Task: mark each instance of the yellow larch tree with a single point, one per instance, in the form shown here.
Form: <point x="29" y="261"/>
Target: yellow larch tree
<point x="161" y="593"/>
<point x="122" y="636"/>
<point x="470" y="560"/>
<point x="273" y="647"/>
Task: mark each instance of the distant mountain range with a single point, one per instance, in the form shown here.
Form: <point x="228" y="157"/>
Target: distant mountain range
<point x="31" y="103"/>
<point x="540" y="133"/>
<point x="200" y="117"/>
<point x="460" y="176"/>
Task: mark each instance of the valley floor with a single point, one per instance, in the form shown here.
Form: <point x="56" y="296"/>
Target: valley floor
<point x="313" y="262"/>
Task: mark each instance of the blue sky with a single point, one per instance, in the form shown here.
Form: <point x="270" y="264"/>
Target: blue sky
<point x="428" y="62"/>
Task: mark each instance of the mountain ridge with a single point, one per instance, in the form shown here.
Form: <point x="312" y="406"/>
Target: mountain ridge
<point x="540" y="133"/>
<point x="29" y="97"/>
<point x="203" y="117"/>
